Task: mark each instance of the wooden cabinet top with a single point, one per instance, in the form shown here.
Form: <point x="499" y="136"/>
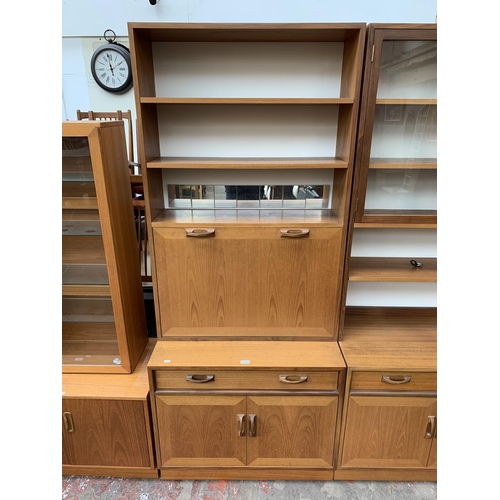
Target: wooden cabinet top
<point x="392" y="355"/>
<point x="247" y="355"/>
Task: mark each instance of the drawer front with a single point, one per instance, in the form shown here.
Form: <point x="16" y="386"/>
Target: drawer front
<point x="232" y="379"/>
<point x="394" y="381"/>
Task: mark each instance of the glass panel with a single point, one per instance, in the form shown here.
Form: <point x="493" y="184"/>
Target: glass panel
<point x="408" y="69"/>
<point x="249" y="197"/>
<point x="401" y="189"/>
<point x="402" y="174"/>
<point x="88" y="310"/>
<point x="84" y="274"/>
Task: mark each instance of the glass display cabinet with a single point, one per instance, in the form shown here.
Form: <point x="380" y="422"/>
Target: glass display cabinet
<point x="397" y="148"/>
<point x="103" y="318"/>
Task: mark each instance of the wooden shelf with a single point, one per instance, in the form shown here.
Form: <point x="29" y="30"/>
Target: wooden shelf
<point x="79" y="203"/>
<point x="86" y="291"/>
<point x="249" y="100"/>
<point x="387" y="225"/>
<point x="422" y="102"/>
<point x="246" y="163"/>
<point x="392" y="269"/>
<point x="403" y="163"/>
<point x="231" y="217"/>
<point x="384" y="324"/>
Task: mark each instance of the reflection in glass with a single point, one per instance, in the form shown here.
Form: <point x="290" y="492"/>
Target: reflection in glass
<point x="408" y="69"/>
<point x="256" y="197"/>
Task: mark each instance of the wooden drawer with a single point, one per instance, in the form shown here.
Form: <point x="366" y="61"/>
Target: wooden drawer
<point x="394" y="381"/>
<point x="233" y="379"/>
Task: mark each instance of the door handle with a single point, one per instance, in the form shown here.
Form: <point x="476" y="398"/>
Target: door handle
<point x="252" y="424"/>
<point x="200" y="233"/>
<point x="200" y="379"/>
<point x="292" y="379"/>
<point x="68" y="421"/>
<point x="241" y="424"/>
<point x="396" y="379"/>
<point x="294" y="233"/>
<point x="430" y="427"/>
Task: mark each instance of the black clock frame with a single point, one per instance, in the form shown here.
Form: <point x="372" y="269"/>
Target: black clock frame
<point x="124" y="51"/>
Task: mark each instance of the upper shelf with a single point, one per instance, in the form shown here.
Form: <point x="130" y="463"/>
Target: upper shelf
<point x="403" y="163"/>
<point x="248" y="100"/>
<point x="246" y="163"/>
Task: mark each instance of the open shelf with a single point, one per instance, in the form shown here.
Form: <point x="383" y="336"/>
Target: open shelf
<point x="413" y="324"/>
<point x="421" y="102"/>
<point x="392" y="269"/>
<point x="248" y="100"/>
<point x="232" y="217"/>
<point x="246" y="163"/>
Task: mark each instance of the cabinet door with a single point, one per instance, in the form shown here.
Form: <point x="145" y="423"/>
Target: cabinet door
<point x="393" y="431"/>
<point x="291" y="431"/>
<point x="201" y="430"/>
<point x="248" y="277"/>
<point x="105" y="433"/>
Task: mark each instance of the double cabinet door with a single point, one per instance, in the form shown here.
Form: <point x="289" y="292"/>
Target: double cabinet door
<point x="222" y="430"/>
<point x="246" y="277"/>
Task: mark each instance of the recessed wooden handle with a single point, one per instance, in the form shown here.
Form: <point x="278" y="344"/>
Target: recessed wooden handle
<point x="396" y="379"/>
<point x="294" y="233"/>
<point x="252" y="425"/>
<point x="292" y="379"/>
<point x="200" y="232"/>
<point x="200" y="379"/>
<point x="241" y="424"/>
<point x="430" y="428"/>
<point x="68" y="421"/>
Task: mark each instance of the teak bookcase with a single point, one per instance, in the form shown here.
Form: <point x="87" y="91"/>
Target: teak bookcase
<point x="104" y="322"/>
<point x="247" y="105"/>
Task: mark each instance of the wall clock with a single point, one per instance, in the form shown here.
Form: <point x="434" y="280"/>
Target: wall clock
<point x="111" y="65"/>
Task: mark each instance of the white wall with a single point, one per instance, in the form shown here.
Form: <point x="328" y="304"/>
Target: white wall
<point x="84" y="22"/>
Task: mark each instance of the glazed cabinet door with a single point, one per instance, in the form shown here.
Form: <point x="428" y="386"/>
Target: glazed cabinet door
<point x="246" y="278"/>
<point x="291" y="431"/>
<point x="199" y="430"/>
<point x="388" y="432"/>
<point x="106" y="433"/>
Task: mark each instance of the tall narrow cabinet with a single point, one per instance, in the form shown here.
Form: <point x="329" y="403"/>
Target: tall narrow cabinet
<point x="103" y="317"/>
<point x="247" y="134"/>
<point x="388" y="328"/>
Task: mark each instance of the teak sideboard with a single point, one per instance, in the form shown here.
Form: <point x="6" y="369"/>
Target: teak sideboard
<point x="290" y="183"/>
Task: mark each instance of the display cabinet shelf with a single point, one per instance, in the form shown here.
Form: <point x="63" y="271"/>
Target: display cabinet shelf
<point x="422" y="102"/>
<point x="103" y="316"/>
<point x="392" y="269"/>
<point x="403" y="163"/>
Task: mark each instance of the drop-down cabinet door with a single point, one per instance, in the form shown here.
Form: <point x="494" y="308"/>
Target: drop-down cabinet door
<point x="246" y="281"/>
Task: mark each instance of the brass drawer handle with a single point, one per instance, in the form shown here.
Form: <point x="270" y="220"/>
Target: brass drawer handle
<point x="396" y="379"/>
<point x="293" y="379"/>
<point x="294" y="233"/>
<point x="200" y="379"/>
<point x="200" y="233"/>
<point x="68" y="421"/>
<point x="241" y="424"/>
<point x="252" y="431"/>
<point x="430" y="428"/>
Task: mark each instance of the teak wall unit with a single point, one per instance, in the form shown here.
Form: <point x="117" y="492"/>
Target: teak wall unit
<point x="107" y="427"/>
<point x="104" y="322"/>
<point x="388" y="327"/>
<point x="223" y="105"/>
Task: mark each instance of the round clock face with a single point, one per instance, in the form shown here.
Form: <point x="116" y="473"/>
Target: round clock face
<point x="111" y="69"/>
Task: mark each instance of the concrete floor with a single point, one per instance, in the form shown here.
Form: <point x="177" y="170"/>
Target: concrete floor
<point x="112" y="488"/>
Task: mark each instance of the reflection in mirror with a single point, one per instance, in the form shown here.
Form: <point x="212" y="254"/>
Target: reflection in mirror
<point x="248" y="197"/>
